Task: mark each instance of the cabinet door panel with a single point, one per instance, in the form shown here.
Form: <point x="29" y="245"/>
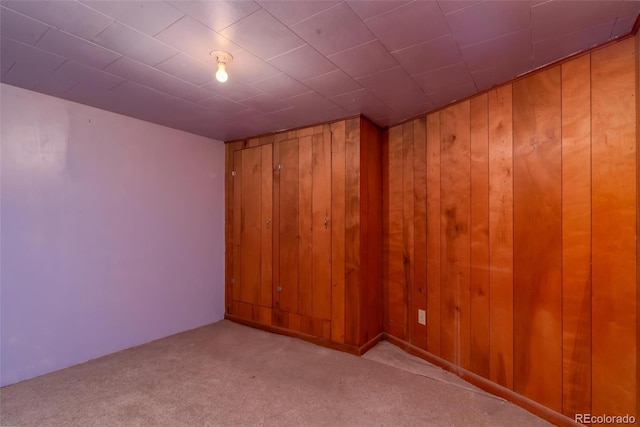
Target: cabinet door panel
<point x="252" y="217"/>
<point x="287" y="296"/>
<point x="321" y="253"/>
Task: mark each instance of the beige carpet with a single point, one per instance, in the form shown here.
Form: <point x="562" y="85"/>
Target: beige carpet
<point x="227" y="374"/>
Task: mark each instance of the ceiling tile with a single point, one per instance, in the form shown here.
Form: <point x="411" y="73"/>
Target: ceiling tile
<point x="263" y="35"/>
<point x="217" y="15"/>
<point x="71" y="73"/>
<point x="448" y="95"/>
<point x="19" y="27"/>
<point x="195" y="39"/>
<point x="370" y="8"/>
<point x="289" y="15"/>
<point x="511" y="48"/>
<point x="629" y="9"/>
<point x="310" y="100"/>
<point x="264" y="103"/>
<point x="550" y="50"/>
<point x="353" y="102"/>
<point x="150" y="17"/>
<point x="394" y="88"/>
<point x="488" y="20"/>
<point x="233" y="89"/>
<point x="148" y="76"/>
<point x="431" y="55"/>
<point x="556" y="18"/>
<point x="13" y="51"/>
<point x="442" y="78"/>
<point x="249" y="68"/>
<point x="281" y="86"/>
<point x="122" y="39"/>
<point x="405" y="26"/>
<point x="72" y="47"/>
<point x="25" y="76"/>
<point x="332" y="83"/>
<point x="448" y="6"/>
<point x="188" y="69"/>
<point x="302" y="63"/>
<point x="365" y="59"/>
<point x="497" y="74"/>
<point x="222" y="105"/>
<point x="70" y="16"/>
<point x="623" y="26"/>
<point x="334" y="30"/>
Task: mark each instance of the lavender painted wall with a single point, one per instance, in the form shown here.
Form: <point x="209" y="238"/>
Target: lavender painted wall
<point x="112" y="233"/>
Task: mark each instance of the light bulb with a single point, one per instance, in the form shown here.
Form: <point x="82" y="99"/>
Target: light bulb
<point x="221" y="74"/>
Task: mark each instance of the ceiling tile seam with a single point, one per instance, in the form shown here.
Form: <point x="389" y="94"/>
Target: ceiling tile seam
<point x="235" y="22"/>
<point x="613" y="24"/>
<point x="323" y="11"/>
<point x="93" y="40"/>
<point x="9" y="69"/>
<point x="375" y="39"/>
<point x="28" y="18"/>
<point x="454" y="11"/>
<point x="401" y="5"/>
<point x="38" y="48"/>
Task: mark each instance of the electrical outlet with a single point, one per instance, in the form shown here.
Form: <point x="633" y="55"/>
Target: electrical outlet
<point x="422" y="317"/>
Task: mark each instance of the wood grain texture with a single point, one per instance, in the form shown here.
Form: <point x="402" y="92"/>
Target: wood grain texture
<point x="266" y="256"/>
<point x="338" y="231"/>
<point x="433" y="233"/>
<point x="395" y="297"/>
<point x="276" y="235"/>
<point x="322" y="223"/>
<point x="576" y="236"/>
<point x="237" y="226"/>
<point x="228" y="226"/>
<point x="501" y="236"/>
<point x="480" y="235"/>
<point x="305" y="225"/>
<point x="352" y="231"/>
<point x="455" y="183"/>
<point x="419" y="338"/>
<point x="410" y="312"/>
<point x="371" y="316"/>
<point x="289" y="204"/>
<point x="613" y="132"/>
<point x="537" y="267"/>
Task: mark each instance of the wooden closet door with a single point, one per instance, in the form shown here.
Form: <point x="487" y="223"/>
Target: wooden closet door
<point x="286" y="292"/>
<point x="252" y="230"/>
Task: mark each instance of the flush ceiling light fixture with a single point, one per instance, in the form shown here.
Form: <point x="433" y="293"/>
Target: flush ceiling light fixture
<point x="223" y="58"/>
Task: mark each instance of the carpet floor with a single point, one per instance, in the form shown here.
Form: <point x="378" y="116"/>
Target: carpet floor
<point x="226" y="374"/>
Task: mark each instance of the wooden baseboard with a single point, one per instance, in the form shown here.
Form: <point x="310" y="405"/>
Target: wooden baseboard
<point x="347" y="348"/>
<point x="486" y="385"/>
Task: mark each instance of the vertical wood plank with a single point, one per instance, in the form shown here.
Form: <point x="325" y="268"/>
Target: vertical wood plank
<point x="537" y="225"/>
<point x="433" y="233"/>
<point x="410" y="312"/>
<point x="420" y="209"/>
<point x="305" y="224"/>
<point x="394" y="235"/>
<point x="455" y="240"/>
<point x="237" y="225"/>
<point x="322" y="223"/>
<point x="266" y="263"/>
<point x="613" y="180"/>
<point x="251" y="225"/>
<point x="352" y="230"/>
<point x="289" y="202"/>
<point x="480" y="235"/>
<point x="276" y="234"/>
<point x="501" y="236"/>
<point x="338" y="231"/>
<point x="576" y="236"/>
<point x="371" y="316"/>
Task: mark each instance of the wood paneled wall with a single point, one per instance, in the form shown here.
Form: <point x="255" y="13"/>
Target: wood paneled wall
<point x="511" y="218"/>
